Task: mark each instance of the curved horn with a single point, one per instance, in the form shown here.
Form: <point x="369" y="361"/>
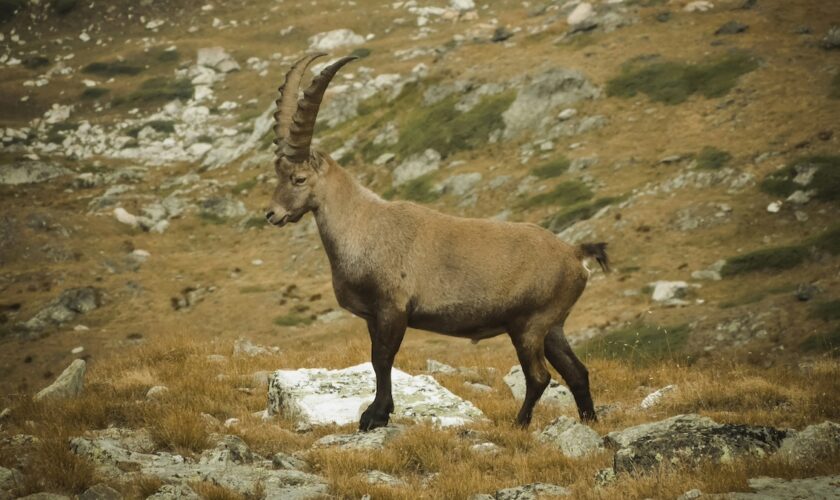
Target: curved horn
<point x="296" y="146"/>
<point x="287" y="103"/>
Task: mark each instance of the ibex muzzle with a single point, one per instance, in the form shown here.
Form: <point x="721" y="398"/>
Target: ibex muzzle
<point x="399" y="265"/>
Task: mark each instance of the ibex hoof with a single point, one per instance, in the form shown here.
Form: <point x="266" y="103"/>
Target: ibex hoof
<point x="370" y="421"/>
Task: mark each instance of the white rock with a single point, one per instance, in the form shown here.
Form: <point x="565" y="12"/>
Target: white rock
<point x="322" y="397"/>
<point x="653" y="398"/>
<point x="125" y="217"/>
<point x="416" y="166"/>
<point x="567" y="113"/>
<point x="800" y="197"/>
<point x="217" y="59"/>
<point x="462" y="5"/>
<point x="331" y="40"/>
<point x="69" y="384"/>
<point x="155" y="24"/>
<point x="84" y="37"/>
<point x="699" y="6"/>
<point x="157" y="392"/>
<point x="231" y="422"/>
<point x="433" y="366"/>
<point x="77" y="350"/>
<point x="58" y="113"/>
<point x="244" y="347"/>
<point x="556" y="393"/>
<point x="581" y="13"/>
<point x="571" y="437"/>
<point x="774" y="207"/>
<point x="664" y="291"/>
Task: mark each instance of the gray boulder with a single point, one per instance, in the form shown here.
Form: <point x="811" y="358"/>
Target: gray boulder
<point x="173" y="492"/>
<point x="217" y="59"/>
<point x="538" y="101"/>
<point x="331" y="40"/>
<point x="10" y="479"/>
<point x="228" y="450"/>
<point x="371" y="440"/>
<point x="831" y="40"/>
<point x="769" y="488"/>
<point x="69" y="384"/>
<point x="416" y="166"/>
<point x="101" y="492"/>
<point x="690" y="440"/>
<point x="815" y="442"/>
<point x="571" y="437"/>
<point x="69" y="304"/>
<point x="30" y="172"/>
<point x="286" y="461"/>
<point x="222" y="208"/>
<point x="555" y="394"/>
<point x="532" y="491"/>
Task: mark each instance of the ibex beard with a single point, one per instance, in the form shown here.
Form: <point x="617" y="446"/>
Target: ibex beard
<point x="399" y="264"/>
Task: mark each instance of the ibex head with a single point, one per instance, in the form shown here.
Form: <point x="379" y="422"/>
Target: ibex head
<point x="299" y="169"/>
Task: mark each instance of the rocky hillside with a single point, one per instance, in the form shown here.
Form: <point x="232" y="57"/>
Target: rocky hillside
<point x="699" y="139"/>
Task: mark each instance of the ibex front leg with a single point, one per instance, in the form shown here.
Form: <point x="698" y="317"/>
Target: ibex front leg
<point x="386" y="333"/>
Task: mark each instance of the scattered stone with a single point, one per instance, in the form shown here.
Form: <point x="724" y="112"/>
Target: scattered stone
<point x="10" y="479"/>
<point x="813" y="443"/>
<point x="222" y="208"/>
<point x="581" y="17"/>
<point x="229" y="450"/>
<point x="653" y="398"/>
<point x="244" y="347"/>
<point x="501" y="34"/>
<point x="768" y="488"/>
<point x="6" y="413"/>
<point x="286" y="461"/>
<point x="68" y="385"/>
<point x="459" y="185"/>
<point x="216" y="358"/>
<point x="30" y="172"/>
<point x="217" y="59"/>
<point x="555" y="394"/>
<point x="101" y="492"/>
<point x="800" y="197"/>
<point x="71" y="303"/>
<point x="416" y="166"/>
<point x="321" y="397"/>
<point x="157" y="392"/>
<point x="486" y="448"/>
<point x="670" y="292"/>
<point x="699" y="6"/>
<point x="567" y="114"/>
<point x="605" y="477"/>
<point x="690" y="440"/>
<point x="712" y="273"/>
<point x="806" y="291"/>
<point x="190" y="296"/>
<point x="383" y="478"/>
<point x="462" y="5"/>
<point x="478" y="387"/>
<point x="371" y="440"/>
<point x="831" y="40"/>
<point x="433" y="366"/>
<point x="690" y="494"/>
<point x="331" y="40"/>
<point x="533" y="491"/>
<point x="571" y="437"/>
<point x="125" y="217"/>
<point x="174" y="491"/>
<point x="731" y="28"/>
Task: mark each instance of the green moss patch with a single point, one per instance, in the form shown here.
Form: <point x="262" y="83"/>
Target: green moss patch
<point x="420" y="190"/>
<point x="58" y="131"/>
<point x="35" y="62"/>
<point x="94" y="92"/>
<point x="293" y="319"/>
<point x="157" y="90"/>
<point x="361" y="52"/>
<point x="834" y="89"/>
<point x="712" y="158"/>
<point x="64" y="7"/>
<point x="639" y="344"/>
<point x="822" y="342"/>
<point x="674" y="82"/>
<point x="566" y="193"/>
<point x="826" y="180"/>
<point x="112" y="68"/>
<point x="581" y="211"/>
<point x="8" y="9"/>
<point x="443" y="128"/>
<point x="767" y="259"/>
<point x="827" y="311"/>
<point x="552" y="168"/>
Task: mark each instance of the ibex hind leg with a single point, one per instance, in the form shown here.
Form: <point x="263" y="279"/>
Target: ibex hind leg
<point x="559" y="353"/>
<point x="529" y="350"/>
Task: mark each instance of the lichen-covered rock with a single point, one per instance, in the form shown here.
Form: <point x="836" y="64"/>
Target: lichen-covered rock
<point x="174" y="491"/>
<point x="555" y="394"/>
<point x="229" y="450"/>
<point x="30" y="172"/>
<point x="571" y="437"/>
<point x="10" y="479"/>
<point x="371" y="440"/>
<point x="769" y="488"/>
<point x="532" y="491"/>
<point x="70" y="304"/>
<point x="320" y="397"/>
<point x="101" y="492"/>
<point x="285" y="461"/>
<point x="537" y="103"/>
<point x="69" y="384"/>
<point x="383" y="478"/>
<point x="814" y="442"/>
<point x="689" y="440"/>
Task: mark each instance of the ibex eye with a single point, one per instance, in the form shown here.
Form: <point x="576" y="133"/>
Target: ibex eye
<point x="298" y="180"/>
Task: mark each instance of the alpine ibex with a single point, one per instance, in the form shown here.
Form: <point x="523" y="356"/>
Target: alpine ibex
<point x="398" y="264"/>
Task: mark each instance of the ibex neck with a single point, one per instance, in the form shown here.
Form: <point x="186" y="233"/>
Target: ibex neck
<point x="342" y="214"/>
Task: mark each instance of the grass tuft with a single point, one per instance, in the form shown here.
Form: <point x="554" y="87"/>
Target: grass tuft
<point x="834" y="90"/>
<point x="576" y="213"/>
<point x="827" y="311"/>
<point x="826" y="180"/>
<point x="112" y="68"/>
<point x="566" y="193"/>
<point x="64" y="7"/>
<point x="553" y="168"/>
<point x="766" y="259"/>
<point x="159" y="89"/>
<point x="712" y="158"/>
<point x="94" y="92"/>
<point x="639" y="344"/>
<point x="674" y="82"/>
<point x="827" y="342"/>
<point x="293" y="319"/>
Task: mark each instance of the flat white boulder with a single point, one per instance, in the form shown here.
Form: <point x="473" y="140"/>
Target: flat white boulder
<point x="317" y="396"/>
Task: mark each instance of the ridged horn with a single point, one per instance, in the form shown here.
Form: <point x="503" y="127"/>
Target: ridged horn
<point x="296" y="147"/>
<point x="287" y="103"/>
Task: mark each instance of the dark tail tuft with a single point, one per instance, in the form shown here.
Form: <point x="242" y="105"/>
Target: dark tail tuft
<point x="598" y="251"/>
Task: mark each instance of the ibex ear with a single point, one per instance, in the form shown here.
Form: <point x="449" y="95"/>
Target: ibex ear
<point x="319" y="162"/>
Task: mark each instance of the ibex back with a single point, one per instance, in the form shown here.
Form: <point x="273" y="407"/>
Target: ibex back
<point x="398" y="264"/>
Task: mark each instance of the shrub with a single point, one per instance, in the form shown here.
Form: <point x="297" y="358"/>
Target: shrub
<point x="551" y="168"/>
<point x="827" y="311"/>
<point x="35" y="62"/>
<point x="565" y="193"/>
<point x="767" y="259"/>
<point x="639" y="343"/>
<point x="822" y="342"/>
<point x="94" y="92"/>
<point x="673" y="82"/>
<point x="9" y="8"/>
<point x="166" y="56"/>
<point x="712" y="158"/>
<point x="829" y="241"/>
<point x="826" y="181"/>
<point x="159" y="89"/>
<point x="292" y="319"/>
<point x="64" y="7"/>
<point x="112" y="68"/>
<point x="582" y="211"/>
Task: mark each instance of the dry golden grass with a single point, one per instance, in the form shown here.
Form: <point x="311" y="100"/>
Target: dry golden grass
<point x="433" y="462"/>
